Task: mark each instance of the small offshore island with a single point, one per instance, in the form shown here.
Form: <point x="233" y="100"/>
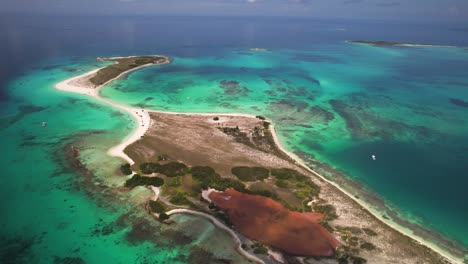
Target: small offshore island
<point x="231" y="169"/>
<point x="389" y="43"/>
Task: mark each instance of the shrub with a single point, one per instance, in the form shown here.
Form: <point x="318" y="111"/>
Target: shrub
<point x="223" y="184"/>
<point x="215" y="118"/>
<point x="260" y="117"/>
<point x="172" y="169"/>
<point x="125" y="169"/>
<point x="163" y="217"/>
<point x="327" y="210"/>
<point x="368" y="246"/>
<point x="369" y="232"/>
<point x="260" y="249"/>
<point x="244" y="173"/>
<point x="157" y="207"/>
<point x="302" y="181"/>
<point x="138" y="180"/>
<point x="266" y="125"/>
<point x="148" y="167"/>
<point x="204" y="173"/>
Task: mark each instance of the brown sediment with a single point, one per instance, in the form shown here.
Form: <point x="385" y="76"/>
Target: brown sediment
<point x="269" y="222"/>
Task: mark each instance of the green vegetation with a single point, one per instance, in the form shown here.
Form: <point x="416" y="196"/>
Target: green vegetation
<point x="345" y="254"/>
<point x="204" y="173"/>
<point x="349" y="229"/>
<point x="157" y="207"/>
<point x="368" y="246"/>
<point x="180" y="199"/>
<point x="369" y="232"/>
<point x="327" y="210"/>
<point x="281" y="183"/>
<point x="122" y="65"/>
<point x="125" y="169"/>
<point x="266" y="125"/>
<point x="171" y="169"/>
<point x="163" y="217"/>
<point x="138" y="180"/>
<point x="260" y="117"/>
<point x="250" y="173"/>
<point x="259" y="249"/>
<point x="215" y="118"/>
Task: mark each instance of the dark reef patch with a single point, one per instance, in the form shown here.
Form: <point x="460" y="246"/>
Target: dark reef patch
<point x="24" y="110"/>
<point x="233" y="88"/>
<point x="315" y="58"/>
<point x="364" y="124"/>
<point x="68" y="260"/>
<point x="18" y="249"/>
<point x="458" y="102"/>
<point x="149" y="99"/>
<point x="200" y="255"/>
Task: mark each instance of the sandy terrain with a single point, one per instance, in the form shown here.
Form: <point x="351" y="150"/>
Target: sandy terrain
<point x="197" y="140"/>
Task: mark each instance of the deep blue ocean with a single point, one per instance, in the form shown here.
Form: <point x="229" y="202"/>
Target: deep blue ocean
<point x="399" y="103"/>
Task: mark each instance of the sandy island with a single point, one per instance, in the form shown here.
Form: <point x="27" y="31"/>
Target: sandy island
<point x="393" y="243"/>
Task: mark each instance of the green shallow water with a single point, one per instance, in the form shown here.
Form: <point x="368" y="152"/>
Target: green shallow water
<point x="337" y="105"/>
<point x="54" y="214"/>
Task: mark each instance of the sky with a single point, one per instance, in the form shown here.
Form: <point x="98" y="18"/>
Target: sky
<point x="370" y="9"/>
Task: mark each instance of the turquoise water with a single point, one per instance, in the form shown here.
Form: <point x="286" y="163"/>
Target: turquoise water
<point x="334" y="104"/>
<point x="339" y="104"/>
<point x="54" y="214"/>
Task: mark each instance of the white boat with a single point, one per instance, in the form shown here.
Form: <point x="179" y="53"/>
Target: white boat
<point x="44" y="124"/>
<point x="374" y="157"/>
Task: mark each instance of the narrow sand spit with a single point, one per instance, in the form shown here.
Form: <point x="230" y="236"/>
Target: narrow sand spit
<point x="222" y="226"/>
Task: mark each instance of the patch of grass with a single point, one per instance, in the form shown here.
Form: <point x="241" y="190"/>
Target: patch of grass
<point x="244" y="173"/>
<point x="138" y="180"/>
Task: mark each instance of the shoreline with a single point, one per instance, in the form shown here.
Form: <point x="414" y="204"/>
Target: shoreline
<point x="220" y="225"/>
<point x="397" y="44"/>
<point x="143" y="120"/>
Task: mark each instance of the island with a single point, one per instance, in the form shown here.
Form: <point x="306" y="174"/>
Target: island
<point x="232" y="170"/>
<point x="389" y="43"/>
<point x="259" y="49"/>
